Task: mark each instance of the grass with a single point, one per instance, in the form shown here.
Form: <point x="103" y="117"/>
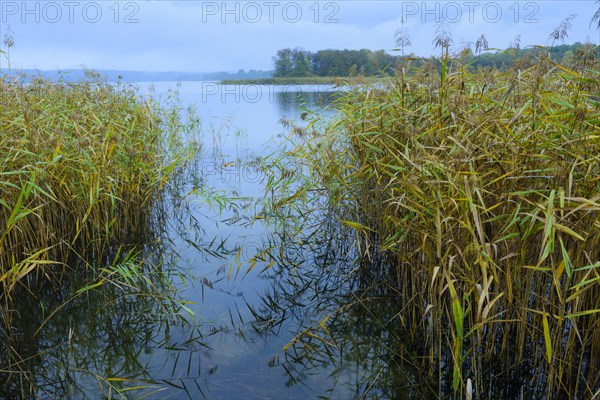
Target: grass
<point x="81" y="167"/>
<point x="84" y="173"/>
<point x="481" y="189"/>
<point x="473" y="197"/>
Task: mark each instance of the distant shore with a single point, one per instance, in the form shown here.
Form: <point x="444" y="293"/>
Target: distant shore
<point x="305" y="80"/>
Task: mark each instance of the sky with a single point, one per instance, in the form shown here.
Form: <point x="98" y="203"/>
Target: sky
<point x="205" y="36"/>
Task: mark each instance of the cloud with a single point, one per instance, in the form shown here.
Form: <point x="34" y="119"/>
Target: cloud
<point x="211" y="35"/>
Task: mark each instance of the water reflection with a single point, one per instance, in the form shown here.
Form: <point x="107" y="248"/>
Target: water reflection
<point x="336" y="327"/>
<point x="70" y="342"/>
<point x="346" y="317"/>
<point x="293" y="100"/>
<point x="187" y="323"/>
<point x="232" y="299"/>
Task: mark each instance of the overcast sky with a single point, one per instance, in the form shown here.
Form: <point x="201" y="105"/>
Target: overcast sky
<point x="208" y="36"/>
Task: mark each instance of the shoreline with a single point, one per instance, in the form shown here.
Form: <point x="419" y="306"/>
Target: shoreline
<point x="309" y="80"/>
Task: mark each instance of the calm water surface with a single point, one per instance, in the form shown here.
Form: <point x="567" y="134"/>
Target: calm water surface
<point x="231" y="306"/>
<point x="116" y="343"/>
<point x="238" y="124"/>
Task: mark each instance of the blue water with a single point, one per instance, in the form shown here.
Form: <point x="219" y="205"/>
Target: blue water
<point x="217" y="349"/>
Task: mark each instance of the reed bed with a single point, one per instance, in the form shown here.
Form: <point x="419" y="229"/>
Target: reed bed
<point x="482" y="189"/>
<point x="81" y="167"/>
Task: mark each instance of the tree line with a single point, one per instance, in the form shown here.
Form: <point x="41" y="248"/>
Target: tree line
<point x="344" y="63"/>
<point x="298" y="63"/>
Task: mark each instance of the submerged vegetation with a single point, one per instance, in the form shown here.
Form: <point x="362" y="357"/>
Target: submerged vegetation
<point x="474" y="196"/>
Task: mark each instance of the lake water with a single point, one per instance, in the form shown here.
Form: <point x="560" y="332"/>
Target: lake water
<point x="237" y="354"/>
<point x="228" y="341"/>
<point x="231" y="293"/>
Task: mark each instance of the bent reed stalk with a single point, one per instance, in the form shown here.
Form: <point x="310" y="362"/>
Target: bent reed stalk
<point x="483" y="189"/>
<point x="81" y="167"/>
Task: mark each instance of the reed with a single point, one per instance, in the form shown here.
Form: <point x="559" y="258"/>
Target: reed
<point x="87" y="174"/>
<point x="481" y="188"/>
<point x="81" y="167"/>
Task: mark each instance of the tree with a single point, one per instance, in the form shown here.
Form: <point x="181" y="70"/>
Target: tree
<point x="300" y="63"/>
<point x="283" y="63"/>
<point x="568" y="58"/>
<point x="300" y="60"/>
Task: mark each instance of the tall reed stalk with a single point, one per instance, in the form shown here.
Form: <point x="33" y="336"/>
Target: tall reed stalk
<point x="483" y="189"/>
<point x="81" y="166"/>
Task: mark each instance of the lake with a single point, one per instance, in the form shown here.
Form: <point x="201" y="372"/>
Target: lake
<point x="254" y="272"/>
<point x="247" y="300"/>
